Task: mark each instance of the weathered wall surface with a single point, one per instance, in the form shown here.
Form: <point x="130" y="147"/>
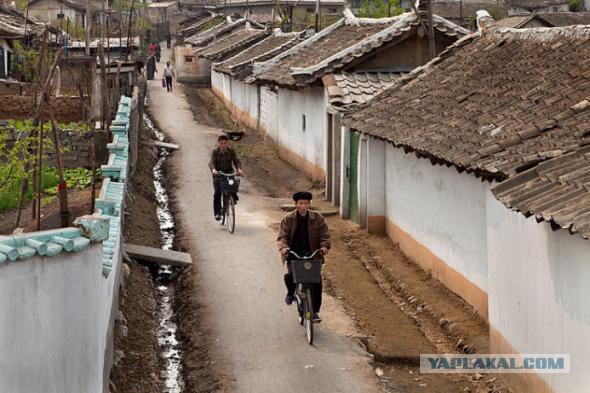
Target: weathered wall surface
<point x="538" y="290"/>
<point x="50" y="311"/>
<point x="191" y="68"/>
<point x="301" y="131"/>
<point x="269" y="115"/>
<point x="439" y="218"/>
<point x="66" y="109"/>
<point x="240" y="98"/>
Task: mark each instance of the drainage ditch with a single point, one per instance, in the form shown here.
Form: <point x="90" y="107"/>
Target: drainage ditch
<point x="164" y="277"/>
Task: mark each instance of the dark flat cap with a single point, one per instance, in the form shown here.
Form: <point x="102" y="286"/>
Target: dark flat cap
<point x="300" y="195"/>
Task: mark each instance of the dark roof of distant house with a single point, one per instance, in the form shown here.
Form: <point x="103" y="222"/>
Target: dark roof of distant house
<point x="535" y="4"/>
<point x="495" y="104"/>
<point x="454" y="9"/>
<point x="352" y="88"/>
<point x="558" y="19"/>
<point x="241" y="64"/>
<point x="203" y="38"/>
<point x="12" y="23"/>
<point x="201" y="25"/>
<point x="550" y="19"/>
<point x="230" y="45"/>
<point x="338" y="45"/>
<point x="68" y="3"/>
<point x="556" y="190"/>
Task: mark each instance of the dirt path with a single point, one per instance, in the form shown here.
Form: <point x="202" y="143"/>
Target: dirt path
<point x="257" y="344"/>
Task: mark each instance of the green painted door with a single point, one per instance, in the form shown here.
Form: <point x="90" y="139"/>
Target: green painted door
<point x="353" y="191"/>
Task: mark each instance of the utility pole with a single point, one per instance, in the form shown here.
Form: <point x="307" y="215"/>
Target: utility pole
<point x="129" y="29"/>
<point x="431" y="31"/>
<point x="317" y="16"/>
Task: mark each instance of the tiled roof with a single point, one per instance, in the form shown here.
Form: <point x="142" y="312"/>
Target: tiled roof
<point x="535" y="4"/>
<point x="241" y="64"/>
<point x="515" y="22"/>
<point x="550" y="19"/>
<point x="345" y="89"/>
<point x="453" y="9"/>
<point x="558" y="19"/>
<point x="195" y="28"/>
<point x="203" y="38"/>
<point x="231" y="44"/>
<point x="556" y="190"/>
<point x="495" y="104"/>
<point x="112" y="43"/>
<point x="12" y="23"/>
<point x="338" y="45"/>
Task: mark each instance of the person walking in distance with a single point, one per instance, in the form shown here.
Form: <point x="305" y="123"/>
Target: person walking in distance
<point x="168" y="74"/>
<point x="223" y="159"/>
<point x="303" y="231"/>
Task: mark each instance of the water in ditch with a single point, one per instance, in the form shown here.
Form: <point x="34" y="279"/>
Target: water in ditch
<point x="170" y="350"/>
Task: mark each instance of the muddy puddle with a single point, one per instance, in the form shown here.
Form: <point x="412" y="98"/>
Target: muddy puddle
<point x="169" y="346"/>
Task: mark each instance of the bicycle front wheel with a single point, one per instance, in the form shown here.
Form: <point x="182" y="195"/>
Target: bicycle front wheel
<point x="223" y="209"/>
<point x="231" y="215"/>
<point x="308" y="316"/>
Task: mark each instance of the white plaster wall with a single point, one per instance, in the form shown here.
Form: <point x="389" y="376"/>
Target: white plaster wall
<point x="539" y="291"/>
<point x="217" y="81"/>
<point x="443" y="210"/>
<point x="311" y="143"/>
<point x="245" y="97"/>
<point x="376" y="177"/>
<point x="269" y="116"/>
<point x="7" y="50"/>
<point x="52" y="318"/>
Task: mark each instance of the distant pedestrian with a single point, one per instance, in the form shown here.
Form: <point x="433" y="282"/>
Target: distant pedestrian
<point x="158" y="52"/>
<point x="168" y="41"/>
<point x="168" y="74"/>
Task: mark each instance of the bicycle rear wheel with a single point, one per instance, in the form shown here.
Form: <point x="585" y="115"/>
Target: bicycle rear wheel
<point x="308" y="316"/>
<point x="231" y="214"/>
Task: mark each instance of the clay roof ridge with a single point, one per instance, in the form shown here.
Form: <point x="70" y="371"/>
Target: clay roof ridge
<point x="400" y="25"/>
<point x="541" y="34"/>
<point x="260" y="68"/>
<point x="295" y="36"/>
<point x="208" y="35"/>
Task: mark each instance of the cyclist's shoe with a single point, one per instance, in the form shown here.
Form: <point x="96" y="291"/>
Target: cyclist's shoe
<point x="289" y="300"/>
<point x="316" y="318"/>
<point x="217" y="217"/>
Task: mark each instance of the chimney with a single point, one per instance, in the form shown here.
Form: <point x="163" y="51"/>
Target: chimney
<point x="484" y="21"/>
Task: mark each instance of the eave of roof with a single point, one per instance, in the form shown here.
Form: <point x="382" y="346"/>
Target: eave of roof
<point x="302" y="76"/>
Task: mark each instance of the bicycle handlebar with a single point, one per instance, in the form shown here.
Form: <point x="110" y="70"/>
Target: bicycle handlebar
<point x="226" y="174"/>
<point x="319" y="250"/>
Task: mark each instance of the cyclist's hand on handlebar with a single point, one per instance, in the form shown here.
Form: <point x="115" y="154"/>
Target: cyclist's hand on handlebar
<point x="284" y="251"/>
<point x="214" y="172"/>
<point x="240" y="172"/>
<point x="324" y="251"/>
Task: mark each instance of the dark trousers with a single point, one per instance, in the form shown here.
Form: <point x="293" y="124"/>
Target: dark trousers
<point x="218" y="189"/>
<point x="169" y="83"/>
<point x="316" y="291"/>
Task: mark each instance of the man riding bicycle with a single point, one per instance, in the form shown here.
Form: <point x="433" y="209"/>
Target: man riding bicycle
<point x="223" y="159"/>
<point x="303" y="231"/>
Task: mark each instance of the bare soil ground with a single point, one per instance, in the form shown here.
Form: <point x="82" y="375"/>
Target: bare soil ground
<point x="79" y="204"/>
<point x="376" y="282"/>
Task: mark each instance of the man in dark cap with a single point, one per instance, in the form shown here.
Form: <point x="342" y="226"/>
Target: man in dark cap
<point x="303" y="231"/>
<point x="223" y="159"/>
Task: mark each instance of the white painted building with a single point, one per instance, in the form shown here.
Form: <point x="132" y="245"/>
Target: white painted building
<point x="303" y="123"/>
<point x="430" y="160"/>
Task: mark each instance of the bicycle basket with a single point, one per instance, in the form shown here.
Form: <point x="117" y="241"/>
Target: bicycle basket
<point x="307" y="272"/>
<point x="232" y="185"/>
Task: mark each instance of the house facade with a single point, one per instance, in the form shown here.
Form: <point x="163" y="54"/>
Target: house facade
<point x="473" y="164"/>
<point x="294" y="106"/>
<point x="50" y="11"/>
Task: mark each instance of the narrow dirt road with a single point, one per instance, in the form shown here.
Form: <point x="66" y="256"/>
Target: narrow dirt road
<point x="258" y="344"/>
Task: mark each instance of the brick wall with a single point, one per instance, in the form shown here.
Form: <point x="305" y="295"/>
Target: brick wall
<point x="66" y="109"/>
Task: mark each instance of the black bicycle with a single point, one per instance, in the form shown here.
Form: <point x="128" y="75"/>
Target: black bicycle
<point x="230" y="188"/>
<point x="306" y="270"/>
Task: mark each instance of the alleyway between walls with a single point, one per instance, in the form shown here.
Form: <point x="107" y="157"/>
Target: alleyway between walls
<point x="258" y="346"/>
